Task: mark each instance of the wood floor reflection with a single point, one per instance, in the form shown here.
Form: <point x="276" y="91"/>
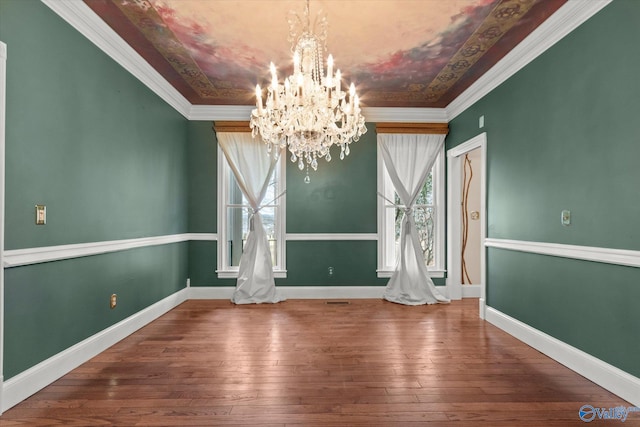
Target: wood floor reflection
<point x="309" y="363"/>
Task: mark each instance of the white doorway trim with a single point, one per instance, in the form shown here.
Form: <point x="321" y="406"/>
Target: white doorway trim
<point x="454" y="191"/>
<point x="3" y="93"/>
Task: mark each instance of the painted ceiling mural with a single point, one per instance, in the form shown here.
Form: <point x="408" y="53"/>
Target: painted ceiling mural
<point x="399" y="53"/>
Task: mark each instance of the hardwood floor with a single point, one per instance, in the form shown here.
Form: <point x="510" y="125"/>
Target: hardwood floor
<point x="309" y="363"/>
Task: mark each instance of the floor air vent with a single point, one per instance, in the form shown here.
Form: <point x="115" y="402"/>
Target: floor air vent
<point x="338" y="302"/>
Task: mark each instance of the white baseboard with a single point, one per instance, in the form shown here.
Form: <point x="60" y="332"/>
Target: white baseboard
<point x="471" y="291"/>
<point x="44" y="373"/>
<point x="211" y="292"/>
<point x="296" y="292"/>
<point x="603" y="374"/>
<point x="300" y="292"/>
<point x="332" y="292"/>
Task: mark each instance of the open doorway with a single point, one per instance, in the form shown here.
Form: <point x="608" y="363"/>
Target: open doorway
<point x="466" y="225"/>
<point x="471" y="243"/>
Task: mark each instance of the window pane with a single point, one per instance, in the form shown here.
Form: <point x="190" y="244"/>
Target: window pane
<point x="238" y="217"/>
<point x="424" y="221"/>
<point x="424" y="218"/>
<point x="237" y="228"/>
<point x="426" y="193"/>
<point x="269" y="220"/>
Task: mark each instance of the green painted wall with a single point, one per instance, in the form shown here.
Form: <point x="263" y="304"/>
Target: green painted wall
<point x="354" y="264"/>
<point x="563" y="134"/>
<point x="108" y="158"/>
<point x="341" y="197"/>
<point x="52" y="306"/>
<point x="202" y="158"/>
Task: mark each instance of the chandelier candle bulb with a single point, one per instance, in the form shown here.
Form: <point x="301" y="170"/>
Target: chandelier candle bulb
<point x="352" y="92"/>
<point x="274" y="76"/>
<point x="329" y="69"/>
<point x="338" y="77"/>
<point x="259" y="98"/>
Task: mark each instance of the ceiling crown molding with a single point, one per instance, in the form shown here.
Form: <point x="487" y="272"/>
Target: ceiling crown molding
<point x="220" y="112"/>
<point x="371" y="114"/>
<point x="571" y="15"/>
<point x="88" y="23"/>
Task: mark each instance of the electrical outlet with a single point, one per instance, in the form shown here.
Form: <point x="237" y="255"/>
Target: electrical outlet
<point x="330" y="271"/>
<point x="566" y="217"/>
<point x="113" y="301"/>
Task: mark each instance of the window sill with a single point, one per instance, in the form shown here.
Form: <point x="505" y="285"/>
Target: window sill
<point x="233" y="274"/>
<point x="437" y="274"/>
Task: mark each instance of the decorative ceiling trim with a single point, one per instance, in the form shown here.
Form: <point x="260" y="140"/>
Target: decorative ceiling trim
<point x="571" y="15"/>
<point x="82" y="18"/>
<point x="413" y="128"/>
<point x="220" y="112"/>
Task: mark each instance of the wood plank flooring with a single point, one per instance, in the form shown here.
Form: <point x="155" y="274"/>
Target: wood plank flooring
<point x="309" y="363"/>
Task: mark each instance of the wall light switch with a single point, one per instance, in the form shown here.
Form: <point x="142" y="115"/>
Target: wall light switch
<point x="481" y="122"/>
<point x="41" y="214"/>
<point x="566" y="217"/>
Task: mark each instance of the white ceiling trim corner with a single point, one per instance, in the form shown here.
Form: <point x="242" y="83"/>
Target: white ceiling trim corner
<point x="220" y="112"/>
<point x="89" y="24"/>
<point x="571" y="15"/>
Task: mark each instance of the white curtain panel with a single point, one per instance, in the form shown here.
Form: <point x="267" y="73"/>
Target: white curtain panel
<point x="252" y="167"/>
<point x="408" y="159"/>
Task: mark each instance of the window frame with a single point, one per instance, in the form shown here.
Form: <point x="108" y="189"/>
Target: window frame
<point x="224" y="174"/>
<point x="386" y="219"/>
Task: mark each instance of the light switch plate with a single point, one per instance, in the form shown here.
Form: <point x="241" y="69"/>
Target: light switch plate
<point x="566" y="217"/>
<point x="41" y="214"/>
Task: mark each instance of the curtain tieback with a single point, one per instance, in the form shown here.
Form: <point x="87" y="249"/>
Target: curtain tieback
<point x="253" y="211"/>
<point x="406" y="209"/>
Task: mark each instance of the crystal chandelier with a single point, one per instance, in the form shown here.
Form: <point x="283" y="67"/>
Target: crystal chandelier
<point x="309" y="112"/>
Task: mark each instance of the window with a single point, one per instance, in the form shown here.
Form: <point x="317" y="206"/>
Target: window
<point x="234" y="218"/>
<point x="428" y="214"/>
